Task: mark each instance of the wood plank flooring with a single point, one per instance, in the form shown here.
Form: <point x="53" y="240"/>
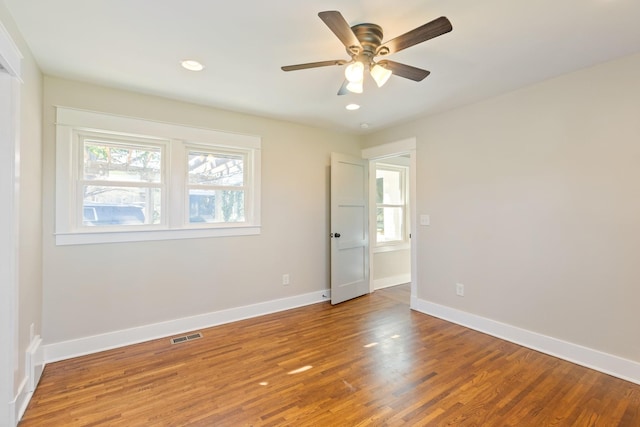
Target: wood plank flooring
<point x="367" y="362"/>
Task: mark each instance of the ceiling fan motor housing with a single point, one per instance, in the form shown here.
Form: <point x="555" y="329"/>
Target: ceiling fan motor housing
<point x="370" y="38"/>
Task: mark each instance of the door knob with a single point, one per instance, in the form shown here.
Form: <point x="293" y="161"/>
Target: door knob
<point x="337" y="235"/>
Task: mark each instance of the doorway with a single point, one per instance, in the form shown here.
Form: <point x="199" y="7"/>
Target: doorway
<point x="392" y="215"/>
<point x="390" y="221"/>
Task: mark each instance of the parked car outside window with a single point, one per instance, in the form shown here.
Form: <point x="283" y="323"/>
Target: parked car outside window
<point x="103" y="214"/>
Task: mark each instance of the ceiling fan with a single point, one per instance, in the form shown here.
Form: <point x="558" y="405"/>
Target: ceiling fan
<point x="364" y="45"/>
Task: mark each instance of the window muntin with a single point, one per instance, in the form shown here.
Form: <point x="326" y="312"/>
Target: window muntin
<point x="391" y="212"/>
<point x="120" y="179"/>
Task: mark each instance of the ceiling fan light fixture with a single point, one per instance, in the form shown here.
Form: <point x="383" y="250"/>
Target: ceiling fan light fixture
<point x="354" y="72"/>
<point x="355" y="87"/>
<point x="380" y="74"/>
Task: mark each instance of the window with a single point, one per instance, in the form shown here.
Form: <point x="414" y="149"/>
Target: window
<point x="391" y="209"/>
<point x="216" y="186"/>
<point x="124" y="179"/>
<point x="121" y="181"/>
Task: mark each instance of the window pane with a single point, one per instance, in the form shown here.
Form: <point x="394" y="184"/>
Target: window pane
<point x="216" y="206"/>
<point x="389" y="187"/>
<point x="389" y="224"/>
<point x="216" y="169"/>
<point x="107" y="162"/>
<point x="120" y="205"/>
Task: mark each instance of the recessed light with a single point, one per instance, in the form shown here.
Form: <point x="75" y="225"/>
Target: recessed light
<point x="192" y="65"/>
<point x="364" y="125"/>
<point x="352" y="107"/>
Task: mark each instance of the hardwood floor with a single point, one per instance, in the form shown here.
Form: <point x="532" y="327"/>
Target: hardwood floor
<point x="367" y="362"/>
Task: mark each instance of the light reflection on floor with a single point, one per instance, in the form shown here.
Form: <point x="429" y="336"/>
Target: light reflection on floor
<point x="300" y="370"/>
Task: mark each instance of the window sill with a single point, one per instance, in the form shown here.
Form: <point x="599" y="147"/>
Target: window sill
<point x="91" y="238"/>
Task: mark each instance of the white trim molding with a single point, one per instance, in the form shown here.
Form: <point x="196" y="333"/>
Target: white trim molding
<point x="594" y="359"/>
<point x="10" y="78"/>
<point x="10" y="56"/>
<point x="174" y="142"/>
<point x="19" y="404"/>
<point x="391" y="149"/>
<point x="92" y="344"/>
<point x="34" y="365"/>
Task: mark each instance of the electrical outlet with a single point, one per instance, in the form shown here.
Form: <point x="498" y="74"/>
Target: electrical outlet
<point x="285" y="279"/>
<point x="460" y="289"/>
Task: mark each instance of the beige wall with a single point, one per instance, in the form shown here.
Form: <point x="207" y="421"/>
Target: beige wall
<point x="93" y="289"/>
<point x="30" y="212"/>
<point x="534" y="198"/>
<point x="390" y="265"/>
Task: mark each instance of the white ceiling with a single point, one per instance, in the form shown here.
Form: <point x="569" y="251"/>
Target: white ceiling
<point x="495" y="46"/>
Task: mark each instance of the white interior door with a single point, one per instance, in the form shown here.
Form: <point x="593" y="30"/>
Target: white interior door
<point x="349" y="228"/>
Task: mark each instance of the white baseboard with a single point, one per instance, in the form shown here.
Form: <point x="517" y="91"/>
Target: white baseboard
<point x="387" y="282"/>
<point x="20" y="403"/>
<point x="92" y="344"/>
<point x="34" y="365"/>
<point x="11" y="414"/>
<point x="607" y="363"/>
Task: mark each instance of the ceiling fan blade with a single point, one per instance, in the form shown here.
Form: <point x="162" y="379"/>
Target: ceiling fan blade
<point x="406" y="71"/>
<point x="313" y="65"/>
<point x="336" y="23"/>
<point x="343" y="89"/>
<point x="432" y="29"/>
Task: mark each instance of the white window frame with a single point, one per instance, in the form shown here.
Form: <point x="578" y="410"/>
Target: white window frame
<point x="246" y="187"/>
<point x="71" y="124"/>
<point x="404" y="243"/>
<point x="79" y="137"/>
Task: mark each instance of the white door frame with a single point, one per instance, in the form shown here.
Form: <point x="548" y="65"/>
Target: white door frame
<point x="10" y="74"/>
<point x="393" y="149"/>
